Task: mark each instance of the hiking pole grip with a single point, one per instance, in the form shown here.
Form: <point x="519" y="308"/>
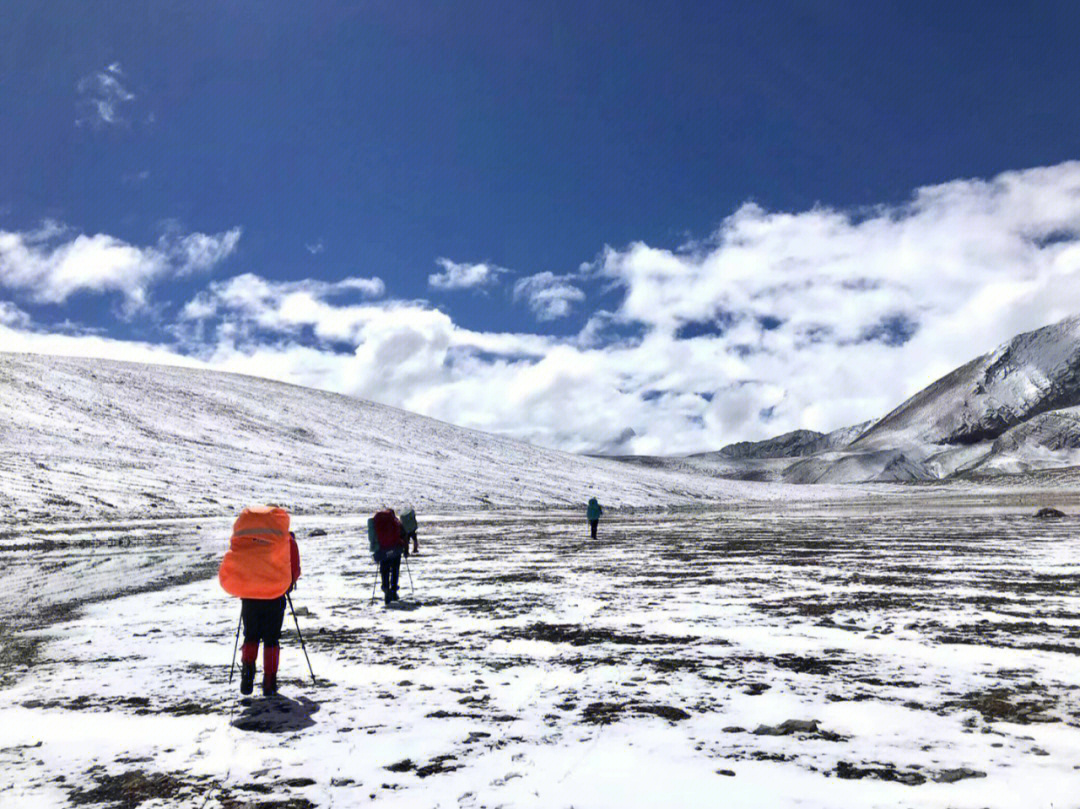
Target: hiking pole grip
<point x="300" y="635"/>
<point x="236" y="644"/>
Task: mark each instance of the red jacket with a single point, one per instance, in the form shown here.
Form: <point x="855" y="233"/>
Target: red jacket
<point x="294" y="553"/>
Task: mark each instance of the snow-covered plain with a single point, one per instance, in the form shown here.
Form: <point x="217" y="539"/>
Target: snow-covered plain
<point x="914" y="642"/>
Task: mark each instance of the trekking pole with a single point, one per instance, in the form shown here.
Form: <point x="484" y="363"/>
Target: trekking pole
<point x="412" y="590"/>
<point x="374" y="584"/>
<point x="301" y="636"/>
<point x="232" y="666"/>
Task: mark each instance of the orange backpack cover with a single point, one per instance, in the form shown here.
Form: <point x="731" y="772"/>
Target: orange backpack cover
<point x="258" y="563"/>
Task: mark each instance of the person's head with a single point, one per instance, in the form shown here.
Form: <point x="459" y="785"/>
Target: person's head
<point x="292" y="536"/>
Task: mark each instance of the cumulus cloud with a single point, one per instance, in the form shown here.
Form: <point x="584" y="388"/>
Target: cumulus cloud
<point x="549" y="296"/>
<point x="103" y="98"/>
<point x="11" y="315"/>
<point x="850" y="312"/>
<point x="52" y="263"/>
<point x="248" y="300"/>
<point x="846" y="277"/>
<point x="464" y="276"/>
<point x="16" y="338"/>
<point x="815" y="319"/>
<point x="199" y="252"/>
<point x="403" y="353"/>
<point x="781" y="320"/>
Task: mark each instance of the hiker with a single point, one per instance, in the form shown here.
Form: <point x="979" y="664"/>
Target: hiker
<point x="262" y="622"/>
<point x="260" y="563"/>
<point x="408" y="528"/>
<point x="388" y="543"/>
<point x="592" y="514"/>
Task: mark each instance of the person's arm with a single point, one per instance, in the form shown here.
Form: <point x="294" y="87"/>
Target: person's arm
<point x="294" y="559"/>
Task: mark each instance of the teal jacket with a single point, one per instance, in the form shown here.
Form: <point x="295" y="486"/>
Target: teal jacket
<point x="594" y="511"/>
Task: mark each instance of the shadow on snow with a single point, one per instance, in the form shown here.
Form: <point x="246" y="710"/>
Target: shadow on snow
<point x="277" y="714"/>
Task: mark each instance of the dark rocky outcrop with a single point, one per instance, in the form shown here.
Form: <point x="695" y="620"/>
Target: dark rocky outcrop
<point x="795" y="444"/>
<point x="1049" y="514"/>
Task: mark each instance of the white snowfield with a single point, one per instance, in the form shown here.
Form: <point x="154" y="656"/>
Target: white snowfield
<point x="850" y="658"/>
<point x="95" y="439"/>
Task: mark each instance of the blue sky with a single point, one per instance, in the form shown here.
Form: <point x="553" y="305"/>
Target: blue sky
<point x="560" y="221"/>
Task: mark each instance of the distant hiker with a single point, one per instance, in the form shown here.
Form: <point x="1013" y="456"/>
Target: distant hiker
<point x="261" y="566"/>
<point x="388" y="543"/>
<point x="408" y="528"/>
<point x="592" y="514"/>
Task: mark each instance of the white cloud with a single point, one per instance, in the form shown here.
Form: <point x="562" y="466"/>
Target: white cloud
<point x="549" y="296"/>
<point x="851" y="312"/>
<point x="16" y="338"/>
<point x="818" y="319"/>
<point x="102" y="98"/>
<point x="198" y="252"/>
<point x="315" y="248"/>
<point x="53" y="263"/>
<point x="11" y="315"/>
<point x="247" y="301"/>
<point x="830" y="271"/>
<point x="464" y="276"/>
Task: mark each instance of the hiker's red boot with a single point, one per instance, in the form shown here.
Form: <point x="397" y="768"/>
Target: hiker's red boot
<point x="249" y="652"/>
<point x="270" y="665"/>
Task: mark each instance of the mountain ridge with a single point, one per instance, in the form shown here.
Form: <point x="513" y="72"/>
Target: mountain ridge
<point x="1034" y="372"/>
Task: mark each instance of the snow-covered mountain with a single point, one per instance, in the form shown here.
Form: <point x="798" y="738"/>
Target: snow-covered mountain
<point x="789" y="445"/>
<point x="796" y="444"/>
<point x="1014" y="410"/>
<point x="84" y="438"/>
<point x="1033" y="373"/>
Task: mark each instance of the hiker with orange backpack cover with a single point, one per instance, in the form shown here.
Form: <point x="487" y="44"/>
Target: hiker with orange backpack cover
<point x="263" y="560"/>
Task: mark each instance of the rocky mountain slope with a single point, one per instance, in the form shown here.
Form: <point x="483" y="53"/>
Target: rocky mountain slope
<point x="1048" y="440"/>
<point x="796" y="444"/>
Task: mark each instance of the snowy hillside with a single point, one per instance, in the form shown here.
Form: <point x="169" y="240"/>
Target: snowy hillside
<point x="86" y="438"/>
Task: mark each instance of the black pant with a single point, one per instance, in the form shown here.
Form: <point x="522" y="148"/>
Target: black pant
<point x="388" y="570"/>
<point x="592" y="527"/>
<point x="262" y="619"/>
